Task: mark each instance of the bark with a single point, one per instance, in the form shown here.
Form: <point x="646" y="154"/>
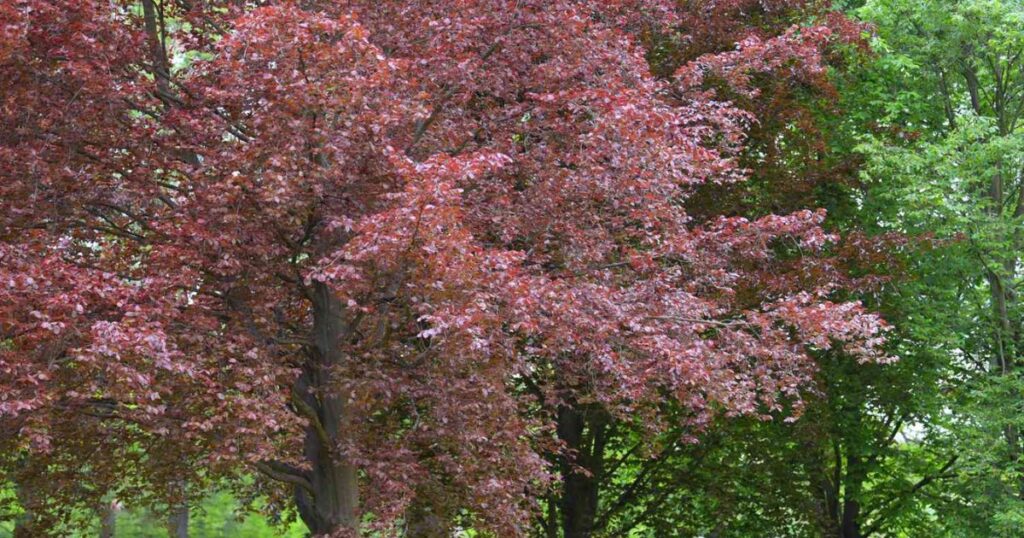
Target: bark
<point x="1007" y="333"/>
<point x="154" y="23"/>
<point x="427" y="520"/>
<point x="971" y="77"/>
<point x="23" y="527"/>
<point x="177" y="522"/>
<point x="828" y="481"/>
<point x="947" y="102"/>
<point x="842" y="505"/>
<point x="23" y="524"/>
<point x="108" y="521"/>
<point x="330" y="505"/>
<point x="850" y="526"/>
<point x="583" y="432"/>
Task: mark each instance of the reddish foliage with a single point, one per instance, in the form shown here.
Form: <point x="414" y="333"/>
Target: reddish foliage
<point x="463" y="194"/>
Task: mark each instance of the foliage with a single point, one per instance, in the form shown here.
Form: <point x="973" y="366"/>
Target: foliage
<point x="326" y="246"/>
<point x="557" y="268"/>
<point x="216" y="516"/>
<point x="943" y="161"/>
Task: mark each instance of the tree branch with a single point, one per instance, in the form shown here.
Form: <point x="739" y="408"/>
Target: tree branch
<point x="307" y="411"/>
<point x="281" y="475"/>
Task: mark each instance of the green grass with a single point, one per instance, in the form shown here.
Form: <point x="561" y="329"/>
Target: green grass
<point x="215" y="518"/>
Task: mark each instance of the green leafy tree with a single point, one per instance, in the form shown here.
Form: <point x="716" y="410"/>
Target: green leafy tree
<point x="945" y="160"/>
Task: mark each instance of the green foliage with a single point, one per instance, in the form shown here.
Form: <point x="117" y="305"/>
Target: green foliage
<point x="943" y="157"/>
<point x="219" y="515"/>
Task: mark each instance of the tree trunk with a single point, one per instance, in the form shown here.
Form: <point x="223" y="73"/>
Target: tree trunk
<point x="332" y="505"/>
<point x="1007" y="337"/>
<point x="426" y="525"/>
<point x="108" y="520"/>
<point x="23" y="527"/>
<point x="851" y="519"/>
<point x="583" y="432"/>
<point x="426" y="519"/>
<point x="155" y="31"/>
<point x="856" y="474"/>
<point x="177" y="522"/>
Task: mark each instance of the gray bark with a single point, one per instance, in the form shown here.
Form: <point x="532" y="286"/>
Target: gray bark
<point x="108" y="521"/>
<point x="177" y="522"/>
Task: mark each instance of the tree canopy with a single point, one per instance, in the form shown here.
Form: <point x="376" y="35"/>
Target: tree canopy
<point x="553" y="268"/>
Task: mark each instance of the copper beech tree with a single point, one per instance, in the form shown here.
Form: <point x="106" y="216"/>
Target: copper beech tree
<point x="355" y="248"/>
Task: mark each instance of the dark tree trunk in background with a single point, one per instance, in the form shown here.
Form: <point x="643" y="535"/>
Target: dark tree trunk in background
<point x="426" y="519"/>
<point x="583" y="431"/>
<point x="108" y="520"/>
<point x="851" y="524"/>
<point x="23" y="527"/>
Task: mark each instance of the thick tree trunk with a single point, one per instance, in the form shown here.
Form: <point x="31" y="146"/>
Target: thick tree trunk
<point x="583" y="433"/>
<point x="851" y="520"/>
<point x="332" y="505"/>
<point x="177" y="522"/>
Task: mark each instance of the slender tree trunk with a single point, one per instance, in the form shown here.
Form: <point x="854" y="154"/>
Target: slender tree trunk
<point x="827" y="479"/>
<point x="551" y="524"/>
<point x="154" y="23"/>
<point x="427" y="518"/>
<point x="583" y="432"/>
<point x="332" y="505"/>
<point x="23" y="527"/>
<point x="1008" y="336"/>
<point x="108" y="520"/>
